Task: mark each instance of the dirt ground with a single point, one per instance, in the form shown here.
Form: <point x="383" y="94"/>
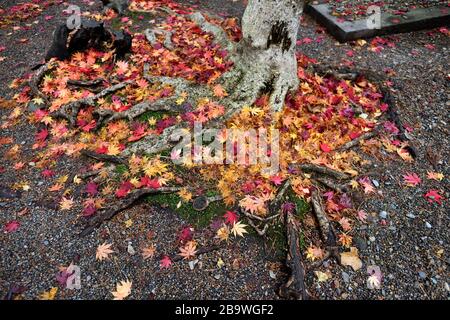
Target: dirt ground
<point x="405" y="235"/>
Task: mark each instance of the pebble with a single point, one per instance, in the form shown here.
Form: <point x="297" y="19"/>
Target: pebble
<point x="410" y="215"/>
<point x="422" y="275"/>
<point x="46" y="242"/>
<point x="131" y="250"/>
<point x="360" y="243"/>
<point x="345" y="277"/>
<point x="428" y="225"/>
<point x="376" y="183"/>
<point x="383" y="214"/>
<point x="372" y="239"/>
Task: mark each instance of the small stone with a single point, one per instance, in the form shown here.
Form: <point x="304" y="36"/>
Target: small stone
<point x="383" y="214"/>
<point x="46" y="242"/>
<point x="217" y="276"/>
<point x="131" y="250"/>
<point x="360" y="243"/>
<point x="410" y="215"/>
<point x="272" y="274"/>
<point x="192" y="264"/>
<point x="375" y="183"/>
<point x="372" y="239"/>
<point x="345" y="277"/>
<point x="428" y="225"/>
<point x="422" y="275"/>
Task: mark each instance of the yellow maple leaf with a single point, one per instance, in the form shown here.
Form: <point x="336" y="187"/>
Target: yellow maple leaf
<point x="223" y="233"/>
<point x="66" y="204"/>
<point x="123" y="290"/>
<point x="48" y="295"/>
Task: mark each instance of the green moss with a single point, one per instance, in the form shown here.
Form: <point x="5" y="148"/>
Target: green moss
<point x="121" y="169"/>
<point x="186" y="211"/>
<point x="158" y="115"/>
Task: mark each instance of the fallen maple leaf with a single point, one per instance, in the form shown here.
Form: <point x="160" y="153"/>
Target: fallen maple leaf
<point x="223" y="233"/>
<point x="189" y="250"/>
<point x="351" y="259"/>
<point x="12" y="226"/>
<point x="322" y="276"/>
<point x="123" y="290"/>
<point x="230" y="217"/>
<point x="362" y="216"/>
<point x="148" y="252"/>
<point x="103" y="251"/>
<point x="48" y="295"/>
<point x="313" y="253"/>
<point x="435" y="176"/>
<point x="165" y="262"/>
<point x="239" y="229"/>
<point x="434" y="196"/>
<point x="411" y="179"/>
<point x="66" y="204"/>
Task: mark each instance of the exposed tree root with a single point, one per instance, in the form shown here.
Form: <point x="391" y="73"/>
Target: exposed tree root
<point x="331" y="184"/>
<point x="36" y="79"/>
<point x="151" y="34"/>
<point x="326" y="229"/>
<point x="322" y="170"/>
<point x="294" y="288"/>
<point x="369" y="135"/>
<point x="135" y="195"/>
<point x="106" y="115"/>
<point x="88" y="83"/>
<point x="220" y="36"/>
<point x="70" y="111"/>
<point x="103" y="157"/>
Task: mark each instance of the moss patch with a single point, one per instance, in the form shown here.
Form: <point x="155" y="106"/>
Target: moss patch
<point x="186" y="211"/>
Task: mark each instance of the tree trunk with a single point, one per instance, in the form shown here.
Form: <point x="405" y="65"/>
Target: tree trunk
<point x="266" y="60"/>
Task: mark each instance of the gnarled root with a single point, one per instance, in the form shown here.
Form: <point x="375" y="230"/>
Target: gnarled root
<point x="70" y="111"/>
<point x="294" y="288"/>
<point x="326" y="229"/>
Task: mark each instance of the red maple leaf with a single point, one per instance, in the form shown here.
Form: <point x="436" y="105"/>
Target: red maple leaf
<point x="125" y="187"/>
<point x="47" y="173"/>
<point x="92" y="188"/>
<point x="276" y="180"/>
<point x="186" y="234"/>
<point x="325" y="147"/>
<point x="42" y="135"/>
<point x="411" y="179"/>
<point x="230" y="217"/>
<point x="12" y="226"/>
<point x="165" y="262"/>
<point x="433" y="195"/>
<point x="89" y="211"/>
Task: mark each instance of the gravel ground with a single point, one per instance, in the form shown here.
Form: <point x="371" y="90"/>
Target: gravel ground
<point x="405" y="236"/>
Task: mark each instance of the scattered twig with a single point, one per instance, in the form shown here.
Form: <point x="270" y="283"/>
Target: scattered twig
<point x="135" y="195"/>
<point x="103" y="157"/>
<point x="321" y="169"/>
<point x="369" y="135"/>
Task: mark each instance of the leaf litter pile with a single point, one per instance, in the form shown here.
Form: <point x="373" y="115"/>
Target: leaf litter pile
<point x="321" y="125"/>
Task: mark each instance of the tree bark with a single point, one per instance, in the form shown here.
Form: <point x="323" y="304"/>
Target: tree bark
<point x="266" y="62"/>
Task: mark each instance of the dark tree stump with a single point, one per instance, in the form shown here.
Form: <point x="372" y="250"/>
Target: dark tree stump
<point x="91" y="34"/>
